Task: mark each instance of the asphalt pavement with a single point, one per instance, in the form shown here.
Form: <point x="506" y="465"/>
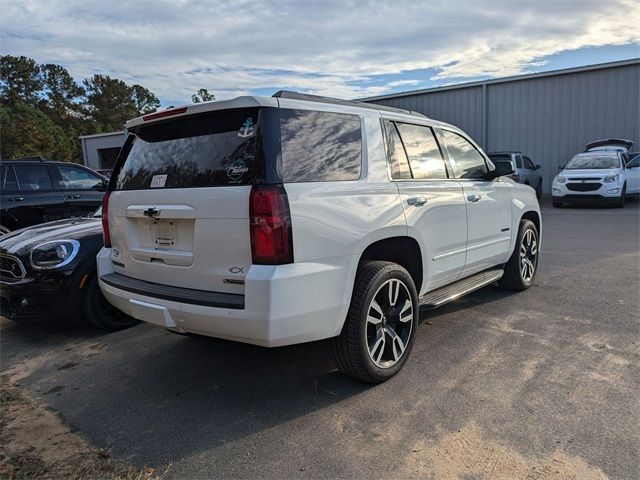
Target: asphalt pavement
<point x="541" y="383"/>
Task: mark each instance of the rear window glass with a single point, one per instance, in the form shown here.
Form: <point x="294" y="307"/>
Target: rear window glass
<point x="33" y="177"/>
<point x="497" y="157"/>
<point x="319" y="146"/>
<point x="213" y="149"/>
<point x="8" y="181"/>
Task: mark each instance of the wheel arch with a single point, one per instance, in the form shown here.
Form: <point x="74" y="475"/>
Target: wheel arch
<point x="534" y="217"/>
<point x="403" y="250"/>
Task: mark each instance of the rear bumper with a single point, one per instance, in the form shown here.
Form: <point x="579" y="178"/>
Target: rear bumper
<point x="283" y="304"/>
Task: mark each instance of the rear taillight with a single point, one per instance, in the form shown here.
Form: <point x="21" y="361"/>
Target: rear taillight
<point x="105" y="220"/>
<point x="270" y="222"/>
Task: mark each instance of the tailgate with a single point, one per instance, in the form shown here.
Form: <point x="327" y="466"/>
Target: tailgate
<point x="179" y="200"/>
<point x="193" y="238"/>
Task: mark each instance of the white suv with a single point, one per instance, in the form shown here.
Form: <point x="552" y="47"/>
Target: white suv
<point x="296" y="218"/>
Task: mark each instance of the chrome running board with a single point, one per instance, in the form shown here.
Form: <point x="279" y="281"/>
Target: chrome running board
<point x="443" y="295"/>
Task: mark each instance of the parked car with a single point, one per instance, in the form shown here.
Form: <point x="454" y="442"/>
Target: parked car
<point x="525" y="171"/>
<point x="105" y="172"/>
<point x="284" y="220"/>
<point x="48" y="272"/>
<point x="633" y="173"/>
<point x="600" y="173"/>
<point x="34" y="190"/>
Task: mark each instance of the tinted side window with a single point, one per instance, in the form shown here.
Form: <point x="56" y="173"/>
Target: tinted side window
<point x="528" y="164"/>
<point x="8" y="181"/>
<point x="422" y="149"/>
<point x="634" y="162"/>
<point x="396" y="155"/>
<point x="319" y="146"/>
<point x="467" y="162"/>
<point x="32" y="177"/>
<point x="74" y="178"/>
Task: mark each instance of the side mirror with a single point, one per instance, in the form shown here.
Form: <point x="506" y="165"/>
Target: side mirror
<point x="537" y="167"/>
<point x="561" y="168"/>
<point x="501" y="171"/>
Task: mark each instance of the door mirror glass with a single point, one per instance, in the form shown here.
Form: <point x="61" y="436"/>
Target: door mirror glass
<point x="537" y="167"/>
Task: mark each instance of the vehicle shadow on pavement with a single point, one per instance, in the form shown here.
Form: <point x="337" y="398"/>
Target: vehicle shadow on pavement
<point x="153" y="397"/>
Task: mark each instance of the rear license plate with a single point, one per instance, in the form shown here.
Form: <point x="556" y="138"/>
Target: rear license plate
<point x="163" y="233"/>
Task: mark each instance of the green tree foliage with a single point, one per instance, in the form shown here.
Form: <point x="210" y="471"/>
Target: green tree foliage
<point x="25" y="131"/>
<point x="20" y="80"/>
<point x="145" y="101"/>
<point x="202" y="95"/>
<point x="109" y="102"/>
<point x="43" y="110"/>
<point x="62" y="93"/>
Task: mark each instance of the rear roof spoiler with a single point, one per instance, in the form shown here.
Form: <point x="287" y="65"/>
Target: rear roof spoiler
<point x="609" y="142"/>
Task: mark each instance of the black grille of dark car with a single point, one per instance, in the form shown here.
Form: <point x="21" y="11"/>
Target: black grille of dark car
<point x="583" y="187"/>
<point x="11" y="268"/>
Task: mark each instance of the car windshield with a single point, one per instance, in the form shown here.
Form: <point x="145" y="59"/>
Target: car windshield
<point x="584" y="162"/>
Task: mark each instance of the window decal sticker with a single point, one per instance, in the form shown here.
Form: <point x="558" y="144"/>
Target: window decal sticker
<point x="247" y="129"/>
<point x="236" y="170"/>
<point x="158" y="181"/>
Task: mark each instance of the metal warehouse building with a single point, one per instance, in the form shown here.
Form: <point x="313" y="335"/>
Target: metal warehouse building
<point x="101" y="150"/>
<point x="548" y="116"/>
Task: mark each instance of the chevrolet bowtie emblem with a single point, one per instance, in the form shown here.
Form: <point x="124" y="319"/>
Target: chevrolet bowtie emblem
<point x="151" y="212"/>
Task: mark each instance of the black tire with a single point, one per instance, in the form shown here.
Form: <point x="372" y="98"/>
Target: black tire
<point x="623" y="197"/>
<point x="351" y="349"/>
<point x="557" y="204"/>
<point x="99" y="312"/>
<point x="539" y="189"/>
<point x="514" y="277"/>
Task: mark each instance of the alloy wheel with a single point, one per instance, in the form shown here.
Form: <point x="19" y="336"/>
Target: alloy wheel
<point x="390" y="319"/>
<point x="528" y="255"/>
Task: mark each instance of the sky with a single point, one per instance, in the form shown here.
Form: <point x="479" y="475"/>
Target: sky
<point x="346" y="48"/>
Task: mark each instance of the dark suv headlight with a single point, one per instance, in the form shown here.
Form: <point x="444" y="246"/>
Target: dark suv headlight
<point x="55" y="254"/>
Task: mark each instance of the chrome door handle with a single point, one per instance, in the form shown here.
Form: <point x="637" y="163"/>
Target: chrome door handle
<point x="16" y="199"/>
<point x="417" y="201"/>
<point x="474" y="198"/>
<point x="73" y="197"/>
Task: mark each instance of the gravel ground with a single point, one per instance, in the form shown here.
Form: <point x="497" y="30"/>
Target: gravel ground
<point x="539" y="384"/>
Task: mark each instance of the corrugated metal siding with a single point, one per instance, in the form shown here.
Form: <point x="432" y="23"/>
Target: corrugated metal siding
<point x="91" y="145"/>
<point x="461" y="107"/>
<point x="548" y="118"/>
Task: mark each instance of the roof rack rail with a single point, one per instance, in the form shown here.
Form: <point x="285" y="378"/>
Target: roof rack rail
<point x="30" y="158"/>
<point x="338" y="101"/>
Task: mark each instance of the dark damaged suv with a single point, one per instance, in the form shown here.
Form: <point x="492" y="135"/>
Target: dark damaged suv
<point x="34" y="190"/>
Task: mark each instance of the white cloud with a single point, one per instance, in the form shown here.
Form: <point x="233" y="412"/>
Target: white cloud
<point x="326" y="47"/>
